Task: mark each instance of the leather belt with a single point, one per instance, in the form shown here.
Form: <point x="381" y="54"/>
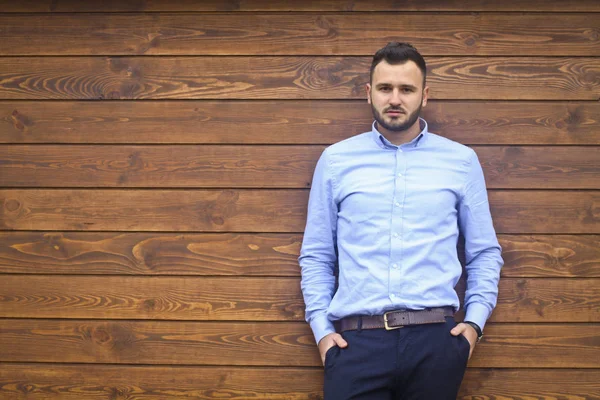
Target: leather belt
<point x="395" y="319"/>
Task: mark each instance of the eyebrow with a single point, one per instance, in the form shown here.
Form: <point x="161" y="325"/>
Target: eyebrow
<point x="406" y="85"/>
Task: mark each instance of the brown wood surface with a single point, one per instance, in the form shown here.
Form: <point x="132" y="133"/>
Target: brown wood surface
<point x="229" y="77"/>
<point x="107" y="382"/>
<point x="156" y="210"/>
<point x="525" y="384"/>
<point x="171" y="298"/>
<point x="540" y="167"/>
<point x="189" y="254"/>
<point x="511" y="167"/>
<point x="55" y="381"/>
<point x="259" y="210"/>
<point x="289" y="122"/>
<point x="299" y="34"/>
<point x="255" y="299"/>
<point x="552" y="255"/>
<point x="128" y="272"/>
<point x="42" y="6"/>
<point x="99" y="253"/>
<point x="270" y="344"/>
<point x="545" y="211"/>
<point x="162" y="167"/>
<point x="547" y="300"/>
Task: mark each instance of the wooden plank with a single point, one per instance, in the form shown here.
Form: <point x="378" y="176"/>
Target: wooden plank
<point x="164" y="254"/>
<point x="276" y="211"/>
<point x="160" y="167"/>
<point x="108" y="382"/>
<point x="520" y="346"/>
<point x="267" y="344"/>
<point x="254" y="299"/>
<point x="102" y="253"/>
<point x="165" y="298"/>
<point x="461" y="78"/>
<point x="290" y="122"/>
<point x="514" y="122"/>
<point x="258" y="210"/>
<point x="156" y="210"/>
<point x="298" y="34"/>
<point x="547" y="300"/>
<point x="552" y="255"/>
<point x="58" y="6"/>
<point x="520" y="384"/>
<point x="545" y="211"/>
<point x="40" y="381"/>
<point x="515" y="167"/>
<point x="224" y="166"/>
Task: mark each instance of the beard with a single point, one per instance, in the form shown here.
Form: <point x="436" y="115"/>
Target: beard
<point x="395" y="125"/>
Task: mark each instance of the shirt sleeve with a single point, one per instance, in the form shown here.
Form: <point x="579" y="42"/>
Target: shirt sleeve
<point x="482" y="250"/>
<point x="318" y="256"/>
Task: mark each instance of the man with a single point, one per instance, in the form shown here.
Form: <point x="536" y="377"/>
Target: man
<point x="379" y="260"/>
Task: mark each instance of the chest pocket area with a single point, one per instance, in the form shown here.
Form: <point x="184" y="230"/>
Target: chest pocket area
<point x="365" y="210"/>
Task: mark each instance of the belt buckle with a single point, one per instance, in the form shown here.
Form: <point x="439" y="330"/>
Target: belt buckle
<point x="385" y="323"/>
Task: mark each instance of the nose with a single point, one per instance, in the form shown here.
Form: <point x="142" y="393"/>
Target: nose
<point x="395" y="98"/>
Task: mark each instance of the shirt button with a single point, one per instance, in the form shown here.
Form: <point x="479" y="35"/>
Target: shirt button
<point x="397" y="204"/>
<point x="392" y="295"/>
<point x="395" y="235"/>
<point x="395" y="266"/>
<point x="399" y="175"/>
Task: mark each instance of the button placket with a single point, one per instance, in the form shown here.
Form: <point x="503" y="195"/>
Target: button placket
<point x="395" y="276"/>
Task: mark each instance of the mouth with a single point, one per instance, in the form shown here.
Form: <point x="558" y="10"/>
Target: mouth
<point x="394" y="113"/>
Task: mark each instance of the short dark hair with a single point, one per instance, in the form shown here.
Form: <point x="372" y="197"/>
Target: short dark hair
<point x="398" y="53"/>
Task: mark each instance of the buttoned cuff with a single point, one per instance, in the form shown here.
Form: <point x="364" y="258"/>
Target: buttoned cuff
<point x="477" y="313"/>
<point x="321" y="326"/>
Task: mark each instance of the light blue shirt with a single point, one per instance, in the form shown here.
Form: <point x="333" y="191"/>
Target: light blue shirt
<point x="385" y="220"/>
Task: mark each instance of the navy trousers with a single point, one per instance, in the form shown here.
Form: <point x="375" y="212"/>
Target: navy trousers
<point x="419" y="362"/>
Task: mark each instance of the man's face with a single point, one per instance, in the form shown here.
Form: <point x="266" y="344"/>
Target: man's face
<point x="396" y="95"/>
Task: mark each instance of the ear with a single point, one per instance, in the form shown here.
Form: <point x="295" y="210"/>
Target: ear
<point x="368" y="89"/>
<point x="425" y="95"/>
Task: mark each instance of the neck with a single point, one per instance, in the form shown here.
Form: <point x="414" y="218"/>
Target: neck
<point x="401" y="137"/>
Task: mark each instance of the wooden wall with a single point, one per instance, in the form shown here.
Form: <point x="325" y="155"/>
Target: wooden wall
<point x="155" y="159"/>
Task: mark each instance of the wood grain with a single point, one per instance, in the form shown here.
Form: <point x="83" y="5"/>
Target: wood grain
<point x="545" y="211"/>
<point x="160" y="167"/>
<point x="521" y="384"/>
<point x="169" y="254"/>
<point x="289" y="122"/>
<point x="105" y="293"/>
<point x="540" y="167"/>
<point x="38" y="381"/>
<point x="510" y="167"/>
<point x="156" y="210"/>
<point x="254" y="299"/>
<point x="58" y="6"/>
<point x="299" y="34"/>
<point x="461" y="78"/>
<point x="100" y="253"/>
<point x="164" y="298"/>
<point x="55" y="381"/>
<point x="268" y="344"/>
<point x="273" y="211"/>
<point x="547" y="300"/>
<point x="552" y="255"/>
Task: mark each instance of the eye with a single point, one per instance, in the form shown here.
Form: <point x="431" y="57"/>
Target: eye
<point x="407" y="90"/>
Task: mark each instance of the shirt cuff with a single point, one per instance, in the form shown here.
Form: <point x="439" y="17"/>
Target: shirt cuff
<point x="321" y="326"/>
<point x="477" y="313"/>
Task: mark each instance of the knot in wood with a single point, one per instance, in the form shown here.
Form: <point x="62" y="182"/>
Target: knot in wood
<point x="149" y="304"/>
<point x="101" y="335"/>
<point x="12" y="205"/>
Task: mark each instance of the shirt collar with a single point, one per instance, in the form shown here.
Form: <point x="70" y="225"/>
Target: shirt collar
<point x="382" y="142"/>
